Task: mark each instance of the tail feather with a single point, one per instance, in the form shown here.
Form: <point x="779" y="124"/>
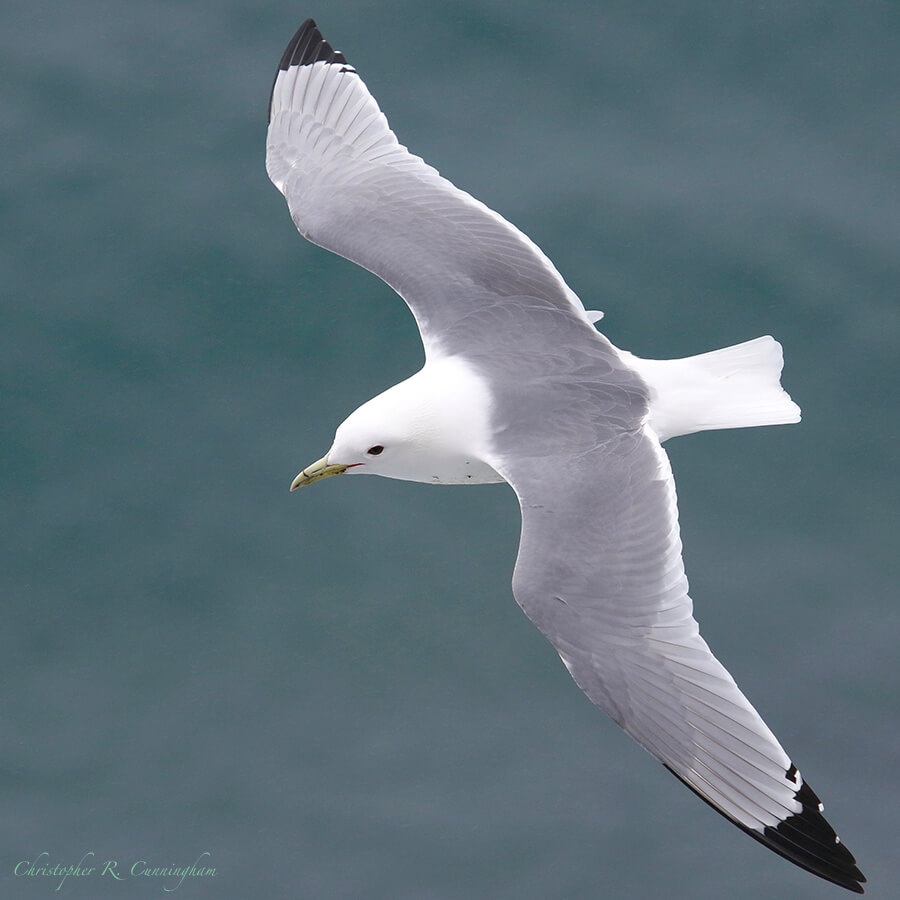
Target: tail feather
<point x="735" y="387"/>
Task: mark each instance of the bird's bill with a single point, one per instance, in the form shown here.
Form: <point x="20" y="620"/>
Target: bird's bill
<point x="316" y="472"/>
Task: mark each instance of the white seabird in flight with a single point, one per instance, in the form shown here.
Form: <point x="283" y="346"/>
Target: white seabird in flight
<point x="518" y="386"/>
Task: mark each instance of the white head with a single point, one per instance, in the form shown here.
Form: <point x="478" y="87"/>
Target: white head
<point x="418" y="430"/>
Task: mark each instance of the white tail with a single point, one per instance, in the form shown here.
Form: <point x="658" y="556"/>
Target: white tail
<point x="736" y="387"/>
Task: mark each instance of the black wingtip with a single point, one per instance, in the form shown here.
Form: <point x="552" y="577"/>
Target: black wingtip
<point x="808" y="840"/>
<point x="306" y="47"/>
<point x="805" y="839"/>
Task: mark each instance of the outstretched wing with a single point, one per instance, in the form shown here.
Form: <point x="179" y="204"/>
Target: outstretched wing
<point x="600" y="574"/>
<point x="353" y="189"/>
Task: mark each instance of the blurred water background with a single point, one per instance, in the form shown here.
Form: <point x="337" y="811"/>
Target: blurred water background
<point x="334" y="693"/>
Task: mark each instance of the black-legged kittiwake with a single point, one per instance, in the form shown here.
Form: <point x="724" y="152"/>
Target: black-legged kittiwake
<point x="518" y="386"/>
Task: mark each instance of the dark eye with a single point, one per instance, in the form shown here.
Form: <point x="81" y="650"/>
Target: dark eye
<point x="374" y="451"/>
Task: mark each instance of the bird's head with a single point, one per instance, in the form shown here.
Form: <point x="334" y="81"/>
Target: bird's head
<point x="389" y="435"/>
<point x="430" y="428"/>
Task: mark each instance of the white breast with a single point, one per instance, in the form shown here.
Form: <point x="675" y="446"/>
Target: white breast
<point x="453" y="430"/>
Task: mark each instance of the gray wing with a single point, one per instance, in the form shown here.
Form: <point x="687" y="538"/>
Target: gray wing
<point x="353" y="189"/>
<point x="600" y="574"/>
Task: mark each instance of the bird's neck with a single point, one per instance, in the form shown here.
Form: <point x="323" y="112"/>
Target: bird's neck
<point x="446" y="410"/>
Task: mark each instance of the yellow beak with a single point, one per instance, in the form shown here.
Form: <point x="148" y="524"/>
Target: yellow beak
<point x="317" y="471"/>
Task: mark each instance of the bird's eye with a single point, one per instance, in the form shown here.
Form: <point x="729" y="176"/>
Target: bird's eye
<point x="374" y="451"/>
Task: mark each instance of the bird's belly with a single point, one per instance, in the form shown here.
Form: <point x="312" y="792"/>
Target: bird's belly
<point x="454" y="470"/>
<point x="472" y="471"/>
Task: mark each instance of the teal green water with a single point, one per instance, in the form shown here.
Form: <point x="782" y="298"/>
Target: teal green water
<point x="334" y="693"/>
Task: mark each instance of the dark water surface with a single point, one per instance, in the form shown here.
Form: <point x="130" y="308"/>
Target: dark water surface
<point x="334" y="693"/>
